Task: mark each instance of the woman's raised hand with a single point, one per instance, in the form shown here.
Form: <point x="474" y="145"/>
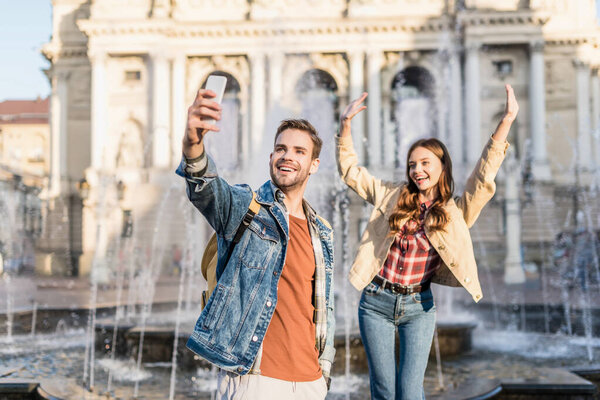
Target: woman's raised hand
<point x="510" y="114"/>
<point x="349" y="112"/>
<point x="512" y="107"/>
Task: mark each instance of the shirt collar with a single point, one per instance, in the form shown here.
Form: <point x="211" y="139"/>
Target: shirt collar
<point x="278" y="194"/>
<point x="425" y="205"/>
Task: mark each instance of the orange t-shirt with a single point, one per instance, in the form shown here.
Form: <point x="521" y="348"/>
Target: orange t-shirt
<point x="289" y="349"/>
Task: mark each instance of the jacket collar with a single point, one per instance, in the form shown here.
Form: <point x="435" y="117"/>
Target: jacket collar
<point x="268" y="193"/>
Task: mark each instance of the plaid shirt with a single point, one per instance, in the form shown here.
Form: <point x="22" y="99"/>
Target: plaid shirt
<point x="412" y="259"/>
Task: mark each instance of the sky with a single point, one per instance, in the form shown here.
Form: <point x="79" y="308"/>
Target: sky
<point x="25" y="25"/>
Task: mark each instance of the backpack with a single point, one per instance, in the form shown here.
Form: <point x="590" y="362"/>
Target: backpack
<point x="208" y="265"/>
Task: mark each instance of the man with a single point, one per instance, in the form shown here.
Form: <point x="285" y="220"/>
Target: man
<point x="269" y="323"/>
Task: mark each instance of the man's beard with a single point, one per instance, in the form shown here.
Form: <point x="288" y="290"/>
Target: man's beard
<point x="286" y="184"/>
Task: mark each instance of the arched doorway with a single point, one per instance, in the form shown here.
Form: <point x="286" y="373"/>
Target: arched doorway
<point x="317" y="92"/>
<point x="225" y="145"/>
<point x="414" y="111"/>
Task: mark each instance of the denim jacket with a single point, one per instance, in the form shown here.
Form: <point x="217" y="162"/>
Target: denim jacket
<point x="231" y="328"/>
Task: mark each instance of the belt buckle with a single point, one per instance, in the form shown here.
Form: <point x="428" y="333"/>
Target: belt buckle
<point x="398" y="288"/>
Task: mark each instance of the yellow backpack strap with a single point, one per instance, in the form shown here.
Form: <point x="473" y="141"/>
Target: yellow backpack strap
<point x="254" y="206"/>
<point x="210" y="252"/>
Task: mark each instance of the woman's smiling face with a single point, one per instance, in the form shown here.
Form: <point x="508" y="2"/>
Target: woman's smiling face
<point x="424" y="169"/>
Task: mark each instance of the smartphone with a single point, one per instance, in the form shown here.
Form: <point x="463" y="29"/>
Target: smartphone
<point x="216" y="84"/>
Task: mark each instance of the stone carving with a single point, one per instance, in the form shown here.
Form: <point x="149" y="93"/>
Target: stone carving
<point x="554" y="6"/>
<point x="335" y="65"/>
<point x="131" y="150"/>
<point x="126" y="9"/>
<point x="268" y="9"/>
<point x="210" y="10"/>
<point x="198" y="68"/>
<point x="161" y="8"/>
<point x="386" y="8"/>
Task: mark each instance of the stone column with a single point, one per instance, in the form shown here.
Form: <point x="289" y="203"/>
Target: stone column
<point x="58" y="131"/>
<point x="275" y="81"/>
<point x="160" y="115"/>
<point x="596" y="114"/>
<point x="455" y="110"/>
<point x="375" y="132"/>
<point x="389" y="133"/>
<point x="357" y="87"/>
<point x="537" y="116"/>
<point x="584" y="128"/>
<point x="99" y="109"/>
<point x="257" y="101"/>
<point x="245" y="126"/>
<point x="473" y="103"/>
<point x="513" y="264"/>
<point x="179" y="107"/>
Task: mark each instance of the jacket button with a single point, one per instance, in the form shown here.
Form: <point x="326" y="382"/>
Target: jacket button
<point x="452" y="264"/>
<point x="477" y="297"/>
<point x="255" y="338"/>
<point x="467" y="279"/>
<point x="442" y="247"/>
<point x="269" y="303"/>
<point x="240" y="369"/>
<point x="275" y="273"/>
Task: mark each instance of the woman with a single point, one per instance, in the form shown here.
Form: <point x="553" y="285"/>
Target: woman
<point x="417" y="234"/>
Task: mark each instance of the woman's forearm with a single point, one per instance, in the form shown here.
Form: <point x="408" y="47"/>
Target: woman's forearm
<point x="502" y="130"/>
<point x="345" y="128"/>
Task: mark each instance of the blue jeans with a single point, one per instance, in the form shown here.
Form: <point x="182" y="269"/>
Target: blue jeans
<point x="380" y="314"/>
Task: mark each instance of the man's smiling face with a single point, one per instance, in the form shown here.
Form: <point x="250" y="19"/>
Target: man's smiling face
<point x="291" y="161"/>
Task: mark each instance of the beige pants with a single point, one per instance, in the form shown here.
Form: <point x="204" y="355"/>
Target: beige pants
<point x="231" y="386"/>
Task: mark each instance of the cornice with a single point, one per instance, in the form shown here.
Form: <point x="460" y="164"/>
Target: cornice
<point x="572" y="38"/>
<point x="265" y="29"/>
<point x="53" y="51"/>
<point x="524" y="17"/>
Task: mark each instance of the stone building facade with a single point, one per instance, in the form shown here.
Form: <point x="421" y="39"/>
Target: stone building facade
<point x="124" y="72"/>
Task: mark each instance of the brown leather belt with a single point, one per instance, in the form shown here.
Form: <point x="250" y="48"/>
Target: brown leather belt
<point x="397" y="288"/>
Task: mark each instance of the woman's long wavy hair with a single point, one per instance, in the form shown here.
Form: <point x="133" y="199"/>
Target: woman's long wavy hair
<point x="408" y="205"/>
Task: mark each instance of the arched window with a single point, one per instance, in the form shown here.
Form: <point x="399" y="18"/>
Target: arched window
<point x="413" y="109"/>
<point x="225" y="145"/>
<point x="317" y="91"/>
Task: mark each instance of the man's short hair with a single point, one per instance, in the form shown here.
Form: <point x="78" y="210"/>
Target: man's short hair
<point x="302" y="125"/>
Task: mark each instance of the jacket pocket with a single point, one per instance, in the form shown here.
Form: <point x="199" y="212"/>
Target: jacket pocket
<point x="264" y="229"/>
<point x="423" y="297"/>
<point x="217" y="305"/>
<point x="258" y="245"/>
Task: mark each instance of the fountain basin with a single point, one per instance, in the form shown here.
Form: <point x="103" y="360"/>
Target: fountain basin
<point x="13" y="389"/>
<point x="455" y="338"/>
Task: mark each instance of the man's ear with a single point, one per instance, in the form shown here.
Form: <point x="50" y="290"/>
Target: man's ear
<point x="314" y="166"/>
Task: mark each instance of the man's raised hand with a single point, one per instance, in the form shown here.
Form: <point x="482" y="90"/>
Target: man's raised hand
<point x="203" y="109"/>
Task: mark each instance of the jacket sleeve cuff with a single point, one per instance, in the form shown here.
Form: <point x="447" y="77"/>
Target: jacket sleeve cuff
<point x="195" y="167"/>
<point x="343" y="141"/>
<point x="498" y="145"/>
